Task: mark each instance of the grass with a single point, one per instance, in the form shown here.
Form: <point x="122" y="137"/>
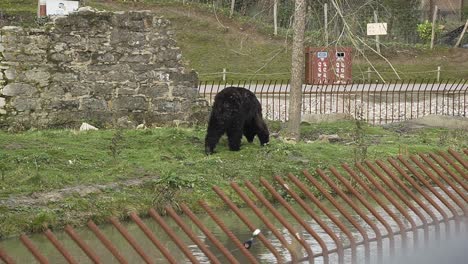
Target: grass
<point x="175" y="164"/>
<point x="248" y="51"/>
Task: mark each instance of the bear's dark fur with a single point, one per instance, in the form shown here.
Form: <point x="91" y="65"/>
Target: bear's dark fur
<point x="236" y="111"/>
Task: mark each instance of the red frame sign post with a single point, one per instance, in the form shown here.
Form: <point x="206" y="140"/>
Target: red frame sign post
<point x="328" y="65"/>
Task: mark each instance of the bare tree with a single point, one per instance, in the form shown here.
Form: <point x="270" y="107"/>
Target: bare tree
<point x="297" y="71"/>
<point x="275" y="16"/>
<point x="233" y="3"/>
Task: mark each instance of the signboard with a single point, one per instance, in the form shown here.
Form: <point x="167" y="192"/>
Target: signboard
<point x="60" y="7"/>
<point x="376" y="29"/>
<point x="328" y="65"/>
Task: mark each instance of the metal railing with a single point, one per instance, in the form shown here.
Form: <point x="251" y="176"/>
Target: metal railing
<point x="375" y="103"/>
<point x="419" y="193"/>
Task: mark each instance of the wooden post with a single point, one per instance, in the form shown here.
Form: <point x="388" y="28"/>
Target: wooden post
<point x="224" y="74"/>
<point x="462" y="34"/>
<point x="275" y="17"/>
<point x="434" y="19"/>
<point x="377" y="37"/>
<point x="325" y="12"/>
<point x="369" y="74"/>
<point x="233" y="2"/>
<point x="438" y="73"/>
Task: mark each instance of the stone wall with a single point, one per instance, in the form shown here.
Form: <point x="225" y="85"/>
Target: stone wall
<point x="96" y="67"/>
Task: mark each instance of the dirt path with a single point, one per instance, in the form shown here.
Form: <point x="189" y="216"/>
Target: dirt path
<point x="43" y="198"/>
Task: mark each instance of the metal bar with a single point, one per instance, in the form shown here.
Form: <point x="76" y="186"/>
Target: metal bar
<point x="356" y="209"/>
<point x="298" y="219"/>
<point x="449" y="171"/>
<point x="208" y="234"/>
<point x="243" y="217"/>
<point x="173" y="236"/>
<point x="316" y="217"/>
<point x="445" y="178"/>
<point x="345" y="213"/>
<point x="193" y="237"/>
<point x="130" y="240"/>
<point x="402" y="198"/>
<point x="452" y="163"/>
<point x="150" y="235"/>
<point x="106" y="242"/>
<point x="430" y="188"/>
<point x="265" y="220"/>
<point x="329" y="214"/>
<point x="59" y="246"/>
<point x="459" y="159"/>
<point x="86" y="249"/>
<point x="370" y="208"/>
<point x="391" y="199"/>
<point x="33" y="249"/>
<point x="228" y="232"/>
<point x="379" y="201"/>
<point x="283" y="220"/>
<point x="414" y="197"/>
<point x="441" y="185"/>
<point x="7" y="259"/>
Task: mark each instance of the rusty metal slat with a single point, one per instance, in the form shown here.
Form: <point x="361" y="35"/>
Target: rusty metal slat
<point x="353" y="205"/>
<point x="391" y="199"/>
<point x="316" y="217"/>
<point x="173" y="236"/>
<point x="432" y="190"/>
<point x="208" y="234"/>
<point x="415" y="185"/>
<point x="449" y="171"/>
<point x="395" y="218"/>
<point x="4" y="256"/>
<point x="452" y="163"/>
<point x="188" y="231"/>
<point x="150" y="235"/>
<point x="33" y="249"/>
<point x="330" y="215"/>
<point x="400" y="195"/>
<point x="59" y="246"/>
<point x="400" y="183"/>
<point x="345" y="213"/>
<point x="283" y="221"/>
<point x="459" y="158"/>
<point x="132" y="241"/>
<point x="106" y="242"/>
<point x="293" y="213"/>
<point x="87" y="250"/>
<point x="243" y="217"/>
<point x="369" y="207"/>
<point x="229" y="233"/>
<point x="440" y="185"/>
<point x="443" y="176"/>
<point x="265" y="220"/>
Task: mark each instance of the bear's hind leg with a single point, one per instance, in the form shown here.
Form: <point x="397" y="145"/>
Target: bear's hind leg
<point x="234" y="134"/>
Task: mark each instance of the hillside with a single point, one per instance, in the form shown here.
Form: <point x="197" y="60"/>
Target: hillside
<point x="211" y="42"/>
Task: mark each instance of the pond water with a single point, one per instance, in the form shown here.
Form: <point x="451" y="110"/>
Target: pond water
<point x="16" y="249"/>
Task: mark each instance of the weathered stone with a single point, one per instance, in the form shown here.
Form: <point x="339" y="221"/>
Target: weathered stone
<point x="167" y="106"/>
<point x="64" y="105"/>
<point x="24" y="104"/>
<point x="130" y="103"/>
<point x="15" y="89"/>
<point x="38" y="76"/>
<point x="10" y="74"/>
<point x="93" y="104"/>
<point x="154" y="90"/>
<point x="2" y="102"/>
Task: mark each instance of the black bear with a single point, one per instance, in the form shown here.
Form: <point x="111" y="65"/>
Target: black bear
<point x="236" y="111"/>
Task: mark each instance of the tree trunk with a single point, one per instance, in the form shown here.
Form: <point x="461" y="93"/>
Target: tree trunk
<point x="275" y="17"/>
<point x="233" y="3"/>
<point x="297" y="71"/>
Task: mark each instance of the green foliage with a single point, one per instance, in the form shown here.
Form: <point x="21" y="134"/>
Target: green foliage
<point x="425" y="31"/>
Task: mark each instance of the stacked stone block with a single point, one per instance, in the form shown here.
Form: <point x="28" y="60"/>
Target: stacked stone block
<point x="94" y="67"/>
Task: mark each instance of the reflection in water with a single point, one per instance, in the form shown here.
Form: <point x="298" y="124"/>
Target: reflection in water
<point x="21" y="254"/>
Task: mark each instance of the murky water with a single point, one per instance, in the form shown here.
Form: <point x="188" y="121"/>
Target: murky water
<point x="16" y="249"/>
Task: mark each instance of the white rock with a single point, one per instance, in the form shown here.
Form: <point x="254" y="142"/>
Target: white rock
<point x="141" y="126"/>
<point x="86" y="127"/>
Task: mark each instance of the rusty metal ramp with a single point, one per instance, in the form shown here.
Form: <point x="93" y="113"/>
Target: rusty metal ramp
<point x="350" y="214"/>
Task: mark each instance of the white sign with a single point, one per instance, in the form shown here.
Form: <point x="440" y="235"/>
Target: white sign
<point x="376" y="29"/>
<point x="60" y="7"/>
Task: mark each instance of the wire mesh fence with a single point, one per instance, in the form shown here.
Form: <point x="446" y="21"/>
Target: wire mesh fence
<point x="375" y="103"/>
